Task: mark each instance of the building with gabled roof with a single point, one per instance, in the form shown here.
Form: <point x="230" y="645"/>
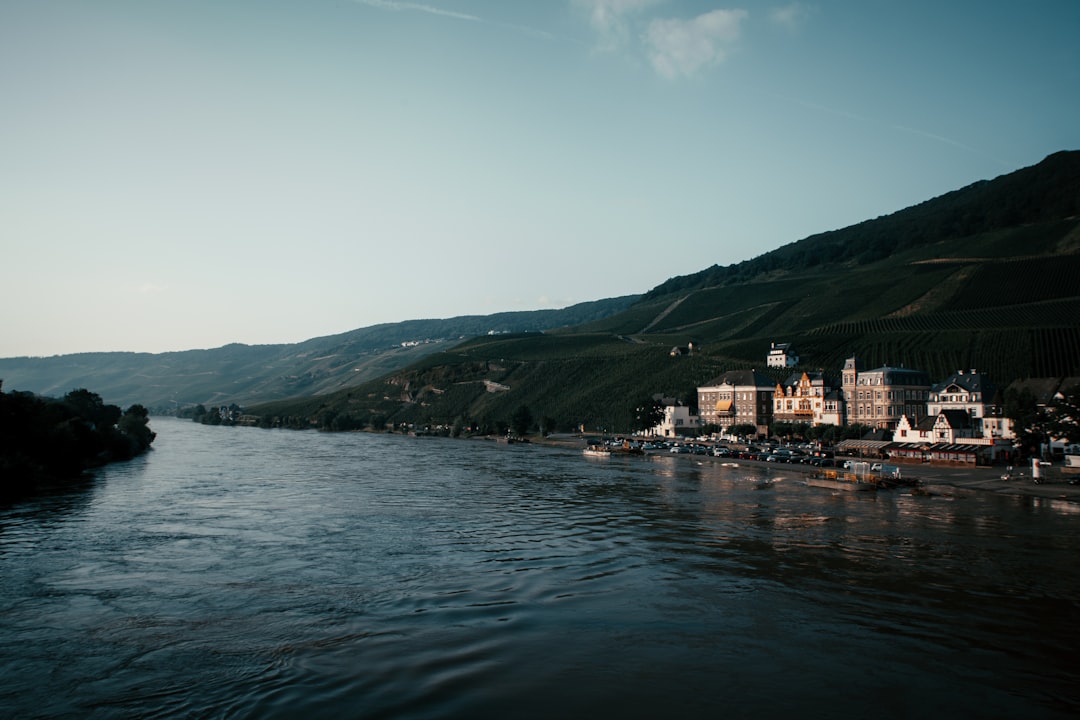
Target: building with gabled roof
<point x="973" y="393"/>
<point x="807" y="397"/>
<point x="781" y="355"/>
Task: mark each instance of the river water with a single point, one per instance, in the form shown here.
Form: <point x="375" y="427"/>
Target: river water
<point x="247" y="573"/>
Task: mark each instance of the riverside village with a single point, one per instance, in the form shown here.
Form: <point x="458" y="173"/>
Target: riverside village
<point x="959" y="421"/>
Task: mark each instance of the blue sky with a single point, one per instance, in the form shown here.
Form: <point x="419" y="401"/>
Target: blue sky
<point x="185" y="174"/>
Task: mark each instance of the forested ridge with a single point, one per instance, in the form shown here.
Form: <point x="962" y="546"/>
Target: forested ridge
<point x="1037" y="194"/>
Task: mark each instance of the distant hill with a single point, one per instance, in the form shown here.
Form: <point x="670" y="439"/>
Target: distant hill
<point x="248" y="374"/>
<point x="983" y="277"/>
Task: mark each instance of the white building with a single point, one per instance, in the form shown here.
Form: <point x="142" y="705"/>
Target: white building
<point x="677" y="420"/>
<point x="781" y="355"/>
<point x="972" y="393"/>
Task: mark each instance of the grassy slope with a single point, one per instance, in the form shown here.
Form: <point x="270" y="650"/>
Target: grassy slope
<point x="259" y="373"/>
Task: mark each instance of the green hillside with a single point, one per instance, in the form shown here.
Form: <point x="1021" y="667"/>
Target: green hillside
<point x="984" y="277"/>
<point x="248" y="374"/>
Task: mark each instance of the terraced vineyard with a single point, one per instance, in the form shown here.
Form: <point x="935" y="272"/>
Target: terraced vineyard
<point x="1025" y="280"/>
<point x="1048" y="314"/>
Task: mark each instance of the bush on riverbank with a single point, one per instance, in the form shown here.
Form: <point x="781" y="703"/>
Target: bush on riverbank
<point x="45" y="440"/>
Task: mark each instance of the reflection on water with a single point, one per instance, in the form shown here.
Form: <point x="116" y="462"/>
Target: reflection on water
<point x="245" y="573"/>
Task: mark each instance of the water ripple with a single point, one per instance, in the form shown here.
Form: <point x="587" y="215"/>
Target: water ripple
<point x="263" y="574"/>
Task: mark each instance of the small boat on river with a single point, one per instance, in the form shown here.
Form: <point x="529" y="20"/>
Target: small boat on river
<point x="597" y="451"/>
<point x="833" y="480"/>
<point x="832" y="484"/>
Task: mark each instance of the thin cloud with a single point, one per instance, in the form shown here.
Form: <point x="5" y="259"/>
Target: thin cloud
<point x="150" y="288"/>
<point x="396" y="6"/>
<point x="612" y="19"/>
<point x="820" y="108"/>
<point x="682" y="47"/>
<point x="399" y="6"/>
<point x="790" y="17"/>
<point x="817" y="107"/>
<point x="949" y="141"/>
<point x="607" y="14"/>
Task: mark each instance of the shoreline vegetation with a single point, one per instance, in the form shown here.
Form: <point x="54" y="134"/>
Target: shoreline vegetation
<point x="48" y="442"/>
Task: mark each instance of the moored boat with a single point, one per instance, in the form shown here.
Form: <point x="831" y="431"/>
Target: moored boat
<point x="842" y="481"/>
<point x="597" y="451"/>
<point x="838" y="483"/>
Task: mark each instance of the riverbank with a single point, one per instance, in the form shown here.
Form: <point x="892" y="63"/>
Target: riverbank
<point x="931" y="479"/>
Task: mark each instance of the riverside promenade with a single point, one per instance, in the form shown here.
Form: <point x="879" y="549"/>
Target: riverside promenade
<point x="1054" y="483"/>
<point x="932" y="479"/>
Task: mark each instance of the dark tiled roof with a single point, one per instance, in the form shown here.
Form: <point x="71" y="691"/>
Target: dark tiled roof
<point x="744" y="378"/>
<point x="970" y="382"/>
<point x="899" y="376"/>
<point x="958" y="419"/>
<point x="927" y="423"/>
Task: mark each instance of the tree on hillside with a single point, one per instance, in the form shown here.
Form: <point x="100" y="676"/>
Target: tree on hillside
<point x="134" y="427"/>
<point x="1063" y="416"/>
<point x="689" y="399"/>
<point x="789" y="430"/>
<point x="747" y="430"/>
<point x="648" y="413"/>
<point x="521" y="420"/>
<point x="43" y="439"/>
<point x="1029" y="421"/>
<point x="90" y="407"/>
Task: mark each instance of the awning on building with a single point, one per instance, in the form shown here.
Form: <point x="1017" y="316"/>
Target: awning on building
<point x="947" y="452"/>
<point x="863" y="444"/>
<point x="939" y="447"/>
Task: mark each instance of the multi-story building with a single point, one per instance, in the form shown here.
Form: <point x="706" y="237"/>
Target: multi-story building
<point x="880" y="397"/>
<point x="807" y="397"/>
<point x="972" y="393"/>
<point x="738" y="397"/>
